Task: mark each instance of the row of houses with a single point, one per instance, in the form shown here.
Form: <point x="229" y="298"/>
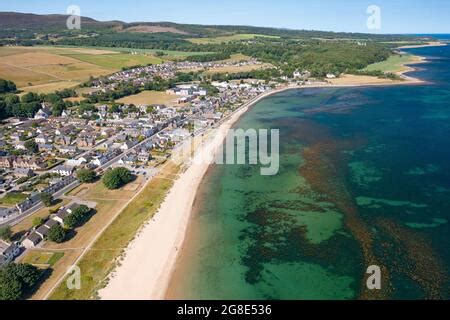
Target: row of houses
<point x="8" y="252"/>
<point x="52" y="189"/>
<point x="40" y="233"/>
<point x="33" y="163"/>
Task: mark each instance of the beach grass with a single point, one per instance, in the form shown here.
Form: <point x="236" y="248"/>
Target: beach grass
<point x="102" y="257"/>
<point x="395" y="63"/>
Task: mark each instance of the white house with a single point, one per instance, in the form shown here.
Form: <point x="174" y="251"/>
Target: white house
<point x="64" y="170"/>
<point x="99" y="161"/>
<point x="43" y="113"/>
<point x="78" y="162"/>
<point x="31" y="241"/>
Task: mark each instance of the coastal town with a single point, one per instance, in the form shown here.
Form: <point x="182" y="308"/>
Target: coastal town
<point x="163" y="160"/>
<point x="42" y="155"/>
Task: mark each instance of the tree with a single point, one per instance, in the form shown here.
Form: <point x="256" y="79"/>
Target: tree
<point x="5" y="233"/>
<point x="71" y="221"/>
<point x="31" y="146"/>
<point x="28" y="274"/>
<point x="10" y="287"/>
<point x="116" y="178"/>
<point x="86" y="175"/>
<point x="56" y="234"/>
<point x="37" y="221"/>
<point x="29" y="97"/>
<point x="47" y="199"/>
<point x="16" y="279"/>
<point x="7" y="86"/>
<point x="77" y="216"/>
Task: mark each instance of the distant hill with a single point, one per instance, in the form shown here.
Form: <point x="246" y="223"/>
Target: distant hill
<point x="55" y="22"/>
<point x="15" y="20"/>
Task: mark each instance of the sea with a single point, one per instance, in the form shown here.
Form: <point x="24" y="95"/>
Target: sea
<point x="363" y="185"/>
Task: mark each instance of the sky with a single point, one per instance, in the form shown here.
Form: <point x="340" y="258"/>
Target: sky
<point x="396" y="16"/>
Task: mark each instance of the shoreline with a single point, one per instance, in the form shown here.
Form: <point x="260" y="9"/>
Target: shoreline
<point x="430" y="44"/>
<point x="151" y="258"/>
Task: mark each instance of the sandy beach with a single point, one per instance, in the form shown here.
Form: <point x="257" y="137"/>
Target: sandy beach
<point x="146" y="267"/>
<point x="431" y="44"/>
<point x="145" y="271"/>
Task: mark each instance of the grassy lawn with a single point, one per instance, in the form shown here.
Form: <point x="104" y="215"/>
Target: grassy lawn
<point x="116" y="61"/>
<point x="12" y="198"/>
<point x="101" y="259"/>
<point x="42" y="258"/>
<point x="238" y="57"/>
<point x="150" y="97"/>
<point x="394" y="63"/>
<point x="223" y="39"/>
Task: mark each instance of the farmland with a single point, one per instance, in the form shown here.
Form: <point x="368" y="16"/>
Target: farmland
<point x="116" y="61"/>
<point x="150" y="97"/>
<point x="168" y="54"/>
<point x="46" y="69"/>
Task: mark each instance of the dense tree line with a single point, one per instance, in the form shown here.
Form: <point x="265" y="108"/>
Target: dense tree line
<point x="122" y="90"/>
<point x="208" y="57"/>
<point x="318" y="56"/>
<point x="263" y="74"/>
<point x="16" y="280"/>
<point x="11" y="105"/>
<point x="125" y="89"/>
<point x="7" y="86"/>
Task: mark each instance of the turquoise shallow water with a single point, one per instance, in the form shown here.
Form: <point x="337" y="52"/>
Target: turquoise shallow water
<point x="364" y="179"/>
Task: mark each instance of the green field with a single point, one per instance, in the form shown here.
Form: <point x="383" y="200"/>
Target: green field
<point x="116" y="60"/>
<point x="12" y="198"/>
<point x="234" y="37"/>
<point x="169" y="54"/>
<point x="41" y="258"/>
<point x="395" y="63"/>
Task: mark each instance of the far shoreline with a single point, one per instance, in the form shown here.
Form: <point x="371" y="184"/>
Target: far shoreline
<point x="155" y="266"/>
